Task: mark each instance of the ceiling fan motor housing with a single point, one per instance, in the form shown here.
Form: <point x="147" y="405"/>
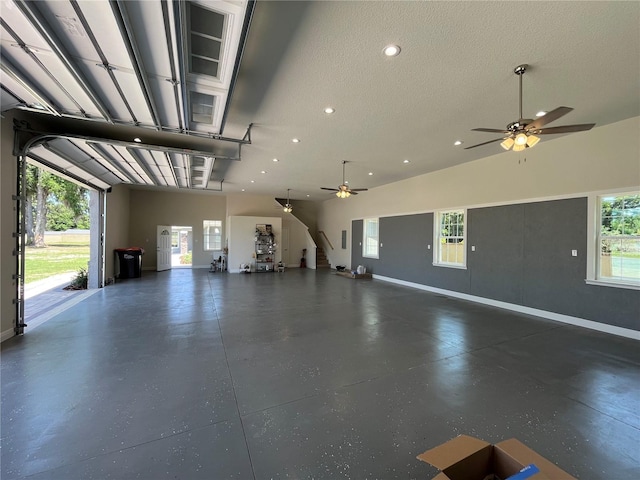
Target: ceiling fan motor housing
<point x="520" y="125"/>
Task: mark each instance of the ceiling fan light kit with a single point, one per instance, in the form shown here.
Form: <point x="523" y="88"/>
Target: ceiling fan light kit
<point x="288" y="208"/>
<point x="508" y="143"/>
<point x="343" y="191"/>
<point x="522" y="134"/>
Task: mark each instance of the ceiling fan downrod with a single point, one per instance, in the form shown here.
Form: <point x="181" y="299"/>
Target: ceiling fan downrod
<point x="519" y="70"/>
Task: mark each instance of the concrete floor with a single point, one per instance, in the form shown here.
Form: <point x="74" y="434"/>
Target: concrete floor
<point x="190" y="375"/>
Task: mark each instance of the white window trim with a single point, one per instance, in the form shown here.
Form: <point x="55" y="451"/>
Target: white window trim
<point x="204" y="237"/>
<point x="593" y="249"/>
<point x="364" y="237"/>
<point x="437" y="223"/>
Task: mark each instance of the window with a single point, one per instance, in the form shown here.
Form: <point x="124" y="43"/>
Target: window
<point x="370" y="238"/>
<point x="207" y="29"/>
<point x="202" y="107"/>
<point x="619" y="238"/>
<point x="449" y="238"/>
<point x="212" y="230"/>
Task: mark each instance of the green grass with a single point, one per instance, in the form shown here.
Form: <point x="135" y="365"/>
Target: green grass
<point x="54" y="259"/>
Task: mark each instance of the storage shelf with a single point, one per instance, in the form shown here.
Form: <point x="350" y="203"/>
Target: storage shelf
<point x="265" y="249"/>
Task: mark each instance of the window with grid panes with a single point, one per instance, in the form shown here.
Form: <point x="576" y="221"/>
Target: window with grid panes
<point x="450" y="238"/>
<point x="212" y="230"/>
<point x="370" y="238"/>
<point x="619" y="238"/>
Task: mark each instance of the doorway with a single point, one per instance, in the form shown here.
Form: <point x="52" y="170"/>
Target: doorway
<point x="61" y="248"/>
<point x="284" y="247"/>
<point x="181" y="246"/>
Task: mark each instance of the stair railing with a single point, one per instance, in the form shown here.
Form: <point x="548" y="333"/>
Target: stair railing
<point x="326" y="239"/>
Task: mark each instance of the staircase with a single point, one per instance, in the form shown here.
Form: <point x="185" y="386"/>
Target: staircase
<point x="321" y="259"/>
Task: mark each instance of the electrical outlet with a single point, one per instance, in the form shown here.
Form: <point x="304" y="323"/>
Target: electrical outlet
<point x="574" y="253"/>
<point x="428" y="247"/>
<point x="473" y="248"/>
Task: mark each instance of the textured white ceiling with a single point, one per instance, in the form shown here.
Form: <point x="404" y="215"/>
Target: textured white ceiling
<point x="455" y="73"/>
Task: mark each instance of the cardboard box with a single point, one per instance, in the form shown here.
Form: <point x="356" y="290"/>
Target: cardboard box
<point x="469" y="458"/>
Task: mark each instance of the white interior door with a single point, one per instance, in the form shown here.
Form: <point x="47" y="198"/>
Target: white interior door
<point x="163" y="250"/>
<point x="285" y="246"/>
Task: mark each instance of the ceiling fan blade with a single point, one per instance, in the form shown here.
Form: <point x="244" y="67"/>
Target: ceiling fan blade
<point x="484" y="143"/>
<point x="352" y="192"/>
<point x="331" y="189"/>
<point x="549" y="117"/>
<point x="566" y="129"/>
<point x="490" y="130"/>
<point x="358" y="189"/>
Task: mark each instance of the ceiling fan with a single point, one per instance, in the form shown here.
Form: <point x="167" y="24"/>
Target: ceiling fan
<point x="288" y="208"/>
<point x="522" y="133"/>
<point x="343" y="191"/>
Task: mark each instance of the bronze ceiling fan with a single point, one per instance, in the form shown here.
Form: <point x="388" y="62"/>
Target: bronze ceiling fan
<point x="343" y="191"/>
<point x="522" y="133"/>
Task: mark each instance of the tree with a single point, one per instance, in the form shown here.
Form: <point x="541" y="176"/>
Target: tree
<point x="621" y="215"/>
<point x="47" y="192"/>
<point x="620" y="223"/>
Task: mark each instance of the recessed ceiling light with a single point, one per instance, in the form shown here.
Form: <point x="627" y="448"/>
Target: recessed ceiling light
<point x="137" y="140"/>
<point x="295" y="140"/>
<point x="329" y="110"/>
<point x="391" y="50"/>
<point x="243" y="189"/>
<point x="275" y="160"/>
<point x="541" y="113"/>
<point x="253" y="181"/>
<point x="263" y="171"/>
<point x="308" y="195"/>
<point x="405" y="161"/>
<point x="370" y="173"/>
<point x="457" y="142"/>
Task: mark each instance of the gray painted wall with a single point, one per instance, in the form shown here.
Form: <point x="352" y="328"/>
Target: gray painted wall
<point x="522" y="256"/>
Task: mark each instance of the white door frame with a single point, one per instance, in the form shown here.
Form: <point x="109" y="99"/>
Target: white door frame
<point x="284" y="250"/>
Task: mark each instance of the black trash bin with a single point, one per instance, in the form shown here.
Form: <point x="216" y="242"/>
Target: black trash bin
<point x="130" y="262"/>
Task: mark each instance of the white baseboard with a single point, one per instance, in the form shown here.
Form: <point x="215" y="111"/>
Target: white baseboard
<point x="7" y="334"/>
<point x="558" y="317"/>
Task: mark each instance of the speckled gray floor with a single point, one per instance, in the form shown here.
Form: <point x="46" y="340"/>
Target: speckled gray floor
<point x="195" y="375"/>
